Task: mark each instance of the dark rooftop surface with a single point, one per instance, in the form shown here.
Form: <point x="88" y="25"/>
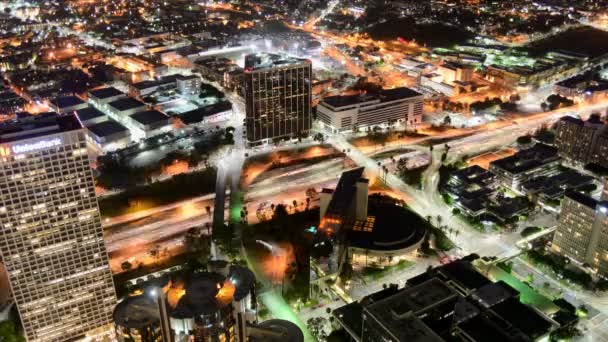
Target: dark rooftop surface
<point x="136" y="312"/>
<point x="89" y="113"/>
<point x="582" y="199"/>
<point x="104" y="93"/>
<point x="153" y="83"/>
<point x="399" y="313"/>
<point x="199" y="114"/>
<point x="258" y="61"/>
<point x="528" y="159"/>
<point x="37" y="126"/>
<point x="344" y="194"/>
<point x="289" y="332"/>
<point x="126" y="104"/>
<point x="107" y="128"/>
<point x="393" y="228"/>
<point x="385" y="95"/>
<point x="150" y="117"/>
<point x="523" y="317"/>
<point x="452" y="302"/>
<point x="66" y="101"/>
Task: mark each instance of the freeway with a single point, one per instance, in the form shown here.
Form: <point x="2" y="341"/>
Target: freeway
<point x="429" y="203"/>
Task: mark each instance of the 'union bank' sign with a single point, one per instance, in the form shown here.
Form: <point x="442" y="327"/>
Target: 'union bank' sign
<point x="29" y="147"/>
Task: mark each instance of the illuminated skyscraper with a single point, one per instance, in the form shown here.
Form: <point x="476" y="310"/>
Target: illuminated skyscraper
<point x="51" y="239"/>
<point x="277" y="97"/>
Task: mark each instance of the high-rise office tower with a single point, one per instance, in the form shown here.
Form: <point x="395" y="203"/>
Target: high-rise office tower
<point x="582" y="231"/>
<point x="51" y="239"/>
<point x="277" y="97"/>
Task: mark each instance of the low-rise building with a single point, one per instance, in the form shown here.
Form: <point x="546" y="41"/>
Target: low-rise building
<point x="346" y="113"/>
<point x="188" y="85"/>
<point x="446" y="303"/>
<point x="585" y="87"/>
<point x="471" y="189"/>
<point x="149" y="123"/>
<point x="222" y="70"/>
<point x="64" y="104"/>
<point x="106" y="95"/>
<point x="554" y="187"/>
<point x="90" y="116"/>
<point x="109" y="135"/>
<point x="513" y="171"/>
<point x="221" y="111"/>
<point x="145" y="88"/>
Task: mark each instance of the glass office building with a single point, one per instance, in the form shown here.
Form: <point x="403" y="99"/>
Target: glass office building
<point x="51" y="239"/>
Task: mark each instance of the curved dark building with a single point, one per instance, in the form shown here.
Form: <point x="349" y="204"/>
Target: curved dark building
<point x="209" y="306"/>
<point x="137" y="319"/>
<point x="276" y="330"/>
<point x="388" y="234"/>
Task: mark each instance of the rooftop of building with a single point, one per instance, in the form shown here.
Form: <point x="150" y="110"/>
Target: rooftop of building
<point x="199" y="114"/>
<point x="444" y="302"/>
<point x="385" y="95"/>
<point x="104" y="93"/>
<point x="107" y="128"/>
<point x="281" y="331"/>
<point x="344" y="193"/>
<point x="208" y="292"/>
<point x="154" y="83"/>
<point x="89" y="113"/>
<point x="127" y="103"/>
<point x="555" y="186"/>
<point x="259" y="61"/>
<point x="583" y="199"/>
<point x="149" y="117"/>
<point x="137" y="312"/>
<point x="40" y="125"/>
<point x="388" y="228"/>
<point x="66" y="101"/>
<point x="527" y="159"/>
<point x="186" y="77"/>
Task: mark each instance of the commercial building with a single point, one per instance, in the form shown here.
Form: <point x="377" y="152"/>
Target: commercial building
<point x="109" y="135"/>
<point x="455" y="72"/>
<point x="145" y="88"/>
<point x="582" y="231"/>
<point x="52" y="241"/>
<point x="188" y="85"/>
<point x="64" y="104"/>
<point x="133" y="114"/>
<point x="218" y="305"/>
<point x="212" y="114"/>
<point x="575" y="139"/>
<point x="585" y="87"/>
<point x="453" y="302"/>
<point x="345" y="113"/>
<point x="149" y="123"/>
<point x="222" y="70"/>
<point x="277" y="97"/>
<point x="106" y="95"/>
<point x="513" y="171"/>
<point x="374" y="230"/>
<point x="90" y="116"/>
<point x="471" y="189"/>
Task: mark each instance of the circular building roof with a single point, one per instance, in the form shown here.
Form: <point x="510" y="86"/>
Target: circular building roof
<point x="288" y="330"/>
<point x="136" y="312"/>
<point x="388" y="228"/>
<point x="243" y="280"/>
<point x="201" y="296"/>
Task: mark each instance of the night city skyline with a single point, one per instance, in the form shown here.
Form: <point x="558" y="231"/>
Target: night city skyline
<point x="304" y="170"/>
